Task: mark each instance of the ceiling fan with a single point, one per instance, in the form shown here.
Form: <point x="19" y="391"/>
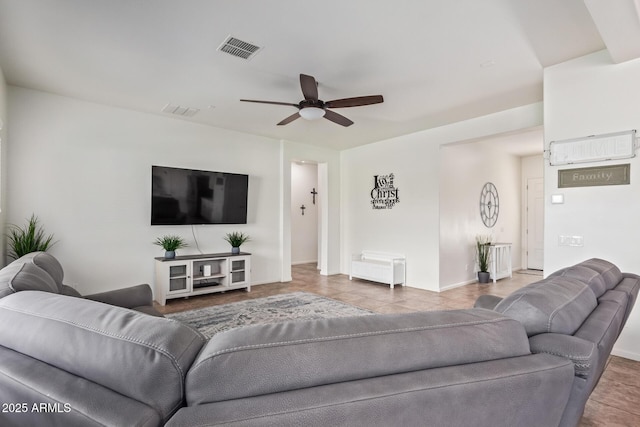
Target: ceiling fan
<point x="312" y="108"/>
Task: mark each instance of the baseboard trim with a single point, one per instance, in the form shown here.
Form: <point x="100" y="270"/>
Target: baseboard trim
<point x="458" y="285"/>
<point x="313" y="261"/>
<point x="626" y="354"/>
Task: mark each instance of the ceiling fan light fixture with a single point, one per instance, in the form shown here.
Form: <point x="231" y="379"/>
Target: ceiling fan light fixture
<point x="312" y="113"/>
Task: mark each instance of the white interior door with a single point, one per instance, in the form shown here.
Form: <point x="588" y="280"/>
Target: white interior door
<point x="535" y="223"/>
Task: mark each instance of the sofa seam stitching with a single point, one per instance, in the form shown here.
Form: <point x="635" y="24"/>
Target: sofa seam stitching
<point x="358" y="335"/>
<point x="557" y="310"/>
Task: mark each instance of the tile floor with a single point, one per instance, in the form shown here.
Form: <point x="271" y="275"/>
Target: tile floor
<point x="614" y="402"/>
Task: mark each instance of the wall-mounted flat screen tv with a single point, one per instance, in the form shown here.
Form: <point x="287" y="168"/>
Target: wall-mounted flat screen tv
<point x="185" y="196"/>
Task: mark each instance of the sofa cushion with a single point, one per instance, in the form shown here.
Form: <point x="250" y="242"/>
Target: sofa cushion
<point x="272" y="358"/>
<point x="519" y="391"/>
<point x="48" y="263"/>
<point x="557" y="304"/>
<point x="71" y="401"/>
<point x="25" y="277"/>
<point x="598" y="274"/>
<point x="142" y="357"/>
<point x="610" y="273"/>
<point x="586" y="275"/>
<point x="630" y="285"/>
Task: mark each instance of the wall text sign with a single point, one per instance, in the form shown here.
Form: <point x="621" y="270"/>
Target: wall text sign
<point x="612" y="146"/>
<point x="384" y="194"/>
<point x="595" y="176"/>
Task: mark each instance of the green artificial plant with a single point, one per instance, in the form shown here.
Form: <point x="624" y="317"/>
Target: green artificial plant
<point x="27" y="239"/>
<point x="171" y="243"/>
<point x="236" y="238"/>
<point x="482" y="252"/>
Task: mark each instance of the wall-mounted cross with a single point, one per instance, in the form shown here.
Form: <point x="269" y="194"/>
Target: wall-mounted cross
<point x="302" y="208"/>
<point x="314" y="192"/>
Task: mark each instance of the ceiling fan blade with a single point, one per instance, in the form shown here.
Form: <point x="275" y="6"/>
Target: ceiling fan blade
<point x="270" y="102"/>
<point x="309" y="87"/>
<point x="354" y="102"/>
<point x="289" y="119"/>
<point x="337" y="118"/>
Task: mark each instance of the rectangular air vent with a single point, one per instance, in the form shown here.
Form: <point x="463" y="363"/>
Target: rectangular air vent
<point x="239" y="48"/>
<point x="179" y="110"/>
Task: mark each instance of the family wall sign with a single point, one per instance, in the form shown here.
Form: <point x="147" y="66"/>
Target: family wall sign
<point x="384" y="194"/>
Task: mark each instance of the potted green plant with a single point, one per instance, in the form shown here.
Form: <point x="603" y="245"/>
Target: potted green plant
<point x="27" y="239"/>
<point x="170" y="244"/>
<point x="236" y="239"/>
<point x="483" y="252"/>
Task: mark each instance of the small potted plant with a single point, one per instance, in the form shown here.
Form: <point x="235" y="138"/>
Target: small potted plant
<point x="482" y="252"/>
<point x="236" y="239"/>
<point x="27" y="239"/>
<point x="170" y="244"/>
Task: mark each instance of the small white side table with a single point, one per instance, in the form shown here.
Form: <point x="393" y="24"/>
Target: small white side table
<point x="500" y="261"/>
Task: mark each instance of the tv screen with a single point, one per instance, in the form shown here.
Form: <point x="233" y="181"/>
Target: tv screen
<point x="185" y="196"/>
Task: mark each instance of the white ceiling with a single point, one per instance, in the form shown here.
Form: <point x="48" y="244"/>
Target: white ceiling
<point x="434" y="61"/>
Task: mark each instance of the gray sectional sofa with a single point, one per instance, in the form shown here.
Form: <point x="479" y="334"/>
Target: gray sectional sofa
<point x="530" y="359"/>
<point x="577" y="313"/>
<point x="41" y="271"/>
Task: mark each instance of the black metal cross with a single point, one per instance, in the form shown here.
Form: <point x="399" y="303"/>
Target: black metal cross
<point x="314" y="192"/>
<point x="302" y="208"/>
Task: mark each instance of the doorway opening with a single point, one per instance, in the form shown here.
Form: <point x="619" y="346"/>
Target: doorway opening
<point x="305" y="214"/>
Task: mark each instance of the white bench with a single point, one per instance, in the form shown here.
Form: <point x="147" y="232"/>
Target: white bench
<point x="379" y="267"/>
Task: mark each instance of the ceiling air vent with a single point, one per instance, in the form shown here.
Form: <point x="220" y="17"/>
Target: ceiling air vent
<point x="239" y="48"/>
<point x="179" y="110"/>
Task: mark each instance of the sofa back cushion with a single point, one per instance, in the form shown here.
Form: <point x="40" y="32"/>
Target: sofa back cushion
<point x="142" y="357"/>
<point x="272" y="358"/>
<point x="18" y="277"/>
<point x="556" y="304"/>
<point x="598" y="274"/>
<point x="47" y="262"/>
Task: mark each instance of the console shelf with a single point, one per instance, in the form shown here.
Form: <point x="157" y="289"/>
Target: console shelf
<point x="190" y="275"/>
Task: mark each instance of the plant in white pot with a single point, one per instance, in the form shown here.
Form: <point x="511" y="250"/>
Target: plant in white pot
<point x="170" y="244"/>
<point x="483" y="252"/>
<point x="236" y="239"/>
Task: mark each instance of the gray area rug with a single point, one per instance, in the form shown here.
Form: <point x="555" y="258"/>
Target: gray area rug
<point x="276" y="308"/>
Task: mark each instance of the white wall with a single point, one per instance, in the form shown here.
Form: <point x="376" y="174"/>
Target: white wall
<point x="586" y="96"/>
<point x="304" y="228"/>
<point x="464" y="169"/>
<point x="85" y="170"/>
<point x="3" y="157"/>
<point x="412" y="226"/>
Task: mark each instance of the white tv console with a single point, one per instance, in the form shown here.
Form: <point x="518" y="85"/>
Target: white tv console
<point x="190" y="275"/>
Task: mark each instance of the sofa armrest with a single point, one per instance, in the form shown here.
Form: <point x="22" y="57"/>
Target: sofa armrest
<point x="69" y="291"/>
<point x="131" y="297"/>
<point x="141" y="357"/>
<point x="487" y="301"/>
<point x="581" y="352"/>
